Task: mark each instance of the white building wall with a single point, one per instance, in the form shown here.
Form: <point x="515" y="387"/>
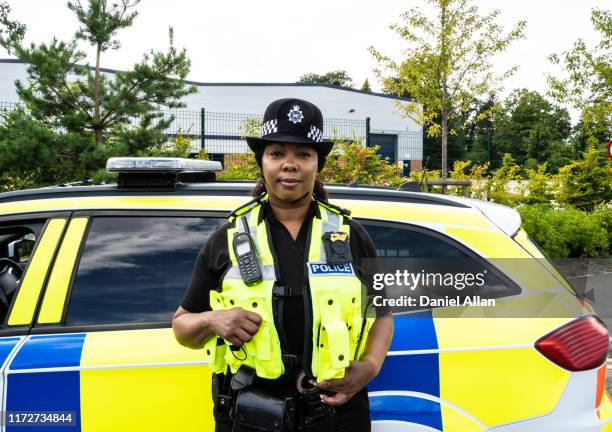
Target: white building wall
<point x="252" y="99"/>
<point x="9" y="73"/>
<point x="333" y="102"/>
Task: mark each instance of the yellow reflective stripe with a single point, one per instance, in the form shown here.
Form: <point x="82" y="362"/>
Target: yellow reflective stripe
<point x="316" y="231"/>
<point x="263" y="246"/>
<point x="253" y="218"/>
<point x="55" y="295"/>
<point x="29" y="292"/>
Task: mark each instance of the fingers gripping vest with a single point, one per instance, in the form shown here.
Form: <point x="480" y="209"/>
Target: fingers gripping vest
<point x="336" y="327"/>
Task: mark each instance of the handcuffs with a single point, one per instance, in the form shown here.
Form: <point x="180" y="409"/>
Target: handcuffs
<point x="261" y="409"/>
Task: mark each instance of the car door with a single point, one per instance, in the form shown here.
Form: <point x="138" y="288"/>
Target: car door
<point x="461" y="374"/>
<point x="28" y="244"/>
<point x="102" y="352"/>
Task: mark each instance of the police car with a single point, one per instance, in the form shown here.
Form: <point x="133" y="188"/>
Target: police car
<point x="90" y="277"/>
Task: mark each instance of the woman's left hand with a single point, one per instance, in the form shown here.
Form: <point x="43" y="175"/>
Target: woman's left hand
<point x="356" y="376"/>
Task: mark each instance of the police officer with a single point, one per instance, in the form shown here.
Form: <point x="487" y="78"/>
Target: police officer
<point x="277" y="296"/>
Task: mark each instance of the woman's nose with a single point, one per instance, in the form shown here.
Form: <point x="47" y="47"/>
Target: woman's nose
<point x="289" y="166"/>
<point x="289" y="163"/>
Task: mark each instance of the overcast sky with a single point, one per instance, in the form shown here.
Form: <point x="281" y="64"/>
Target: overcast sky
<point x="279" y="40"/>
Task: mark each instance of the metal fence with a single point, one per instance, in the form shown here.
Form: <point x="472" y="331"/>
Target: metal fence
<point x="222" y="133"/>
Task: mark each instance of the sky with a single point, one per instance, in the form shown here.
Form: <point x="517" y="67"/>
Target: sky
<point x="280" y="40"/>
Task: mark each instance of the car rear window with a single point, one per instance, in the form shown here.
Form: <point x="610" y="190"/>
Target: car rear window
<point x="135" y="269"/>
<point x="400" y="243"/>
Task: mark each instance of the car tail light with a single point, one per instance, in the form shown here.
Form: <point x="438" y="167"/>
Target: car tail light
<point x="577" y="346"/>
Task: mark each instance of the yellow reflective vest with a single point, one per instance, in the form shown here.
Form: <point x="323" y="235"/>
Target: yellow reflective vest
<point x="334" y="304"/>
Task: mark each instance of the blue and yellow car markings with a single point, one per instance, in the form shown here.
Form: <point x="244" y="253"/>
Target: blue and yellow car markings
<point x="37" y="370"/>
<point x="119" y="372"/>
<point x="49" y="351"/>
<point x="405" y="408"/>
<point x="44" y="392"/>
<point x="7" y="345"/>
<point x="408" y="370"/>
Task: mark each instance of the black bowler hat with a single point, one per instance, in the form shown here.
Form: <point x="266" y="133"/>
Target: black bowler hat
<point x="293" y="121"/>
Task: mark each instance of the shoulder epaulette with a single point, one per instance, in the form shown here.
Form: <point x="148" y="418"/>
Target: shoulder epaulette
<point x="335" y="208"/>
<point x="244" y="208"/>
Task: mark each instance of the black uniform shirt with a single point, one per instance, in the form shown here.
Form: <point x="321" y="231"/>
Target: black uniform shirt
<point x="213" y="260"/>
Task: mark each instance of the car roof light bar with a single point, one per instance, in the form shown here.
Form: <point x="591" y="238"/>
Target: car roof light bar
<point x="160" y="165"/>
<point x="160" y="172"/>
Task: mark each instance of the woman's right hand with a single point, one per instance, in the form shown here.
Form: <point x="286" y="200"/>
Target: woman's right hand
<point x="235" y="325"/>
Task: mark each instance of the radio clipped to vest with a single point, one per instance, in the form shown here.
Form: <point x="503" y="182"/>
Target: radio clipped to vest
<point x="246" y="255"/>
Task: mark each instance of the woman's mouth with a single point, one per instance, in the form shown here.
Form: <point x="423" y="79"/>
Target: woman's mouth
<point x="288" y="182"/>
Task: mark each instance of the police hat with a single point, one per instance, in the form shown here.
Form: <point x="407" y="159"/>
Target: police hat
<point x="293" y="121"/>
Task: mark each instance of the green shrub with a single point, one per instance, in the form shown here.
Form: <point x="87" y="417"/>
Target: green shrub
<point x="351" y="161"/>
<point x="539" y="188"/>
<point x="498" y="185"/>
<point x="587" y="182"/>
<point x="241" y="166"/>
<point x="567" y="233"/>
<point x="417" y="176"/>
<point x="476" y="173"/>
<point x="603" y="217"/>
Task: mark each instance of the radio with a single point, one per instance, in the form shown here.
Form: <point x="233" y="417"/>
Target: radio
<point x="246" y="255"/>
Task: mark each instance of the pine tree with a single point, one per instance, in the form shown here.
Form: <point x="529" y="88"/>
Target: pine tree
<point x="366" y="86"/>
<point x="89" y="115"/>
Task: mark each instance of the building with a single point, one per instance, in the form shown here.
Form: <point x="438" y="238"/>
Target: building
<point x="215" y="114"/>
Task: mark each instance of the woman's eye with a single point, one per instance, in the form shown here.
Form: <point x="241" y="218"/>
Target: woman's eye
<point x="304" y="155"/>
<point x="275" y="154"/>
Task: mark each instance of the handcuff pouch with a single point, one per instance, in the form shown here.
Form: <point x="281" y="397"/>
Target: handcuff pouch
<point x="261" y="410"/>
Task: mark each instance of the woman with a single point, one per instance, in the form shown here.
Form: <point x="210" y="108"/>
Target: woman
<point x="311" y="372"/>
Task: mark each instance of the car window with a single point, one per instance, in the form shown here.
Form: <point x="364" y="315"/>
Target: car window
<point x="439" y="254"/>
<point x="406" y="242"/>
<point x="135" y="269"/>
<point x="17" y="241"/>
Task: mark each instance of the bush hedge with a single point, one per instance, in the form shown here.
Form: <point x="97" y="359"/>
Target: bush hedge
<point x="569" y="233"/>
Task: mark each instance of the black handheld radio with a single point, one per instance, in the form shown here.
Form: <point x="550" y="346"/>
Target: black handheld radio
<point x="246" y="255"/>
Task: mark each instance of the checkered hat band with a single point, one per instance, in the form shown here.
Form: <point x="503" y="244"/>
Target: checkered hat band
<point x="315" y="134"/>
<point x="271" y="126"/>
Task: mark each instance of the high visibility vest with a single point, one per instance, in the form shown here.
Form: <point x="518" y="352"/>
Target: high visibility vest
<point x="336" y="324"/>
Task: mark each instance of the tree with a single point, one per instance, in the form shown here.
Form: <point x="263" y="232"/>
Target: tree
<point x="98" y="114"/>
<point x="479" y="133"/>
<point x="587" y="182"/>
<point x="586" y="82"/>
<point x="533" y="130"/>
<point x="366" y="86"/>
<point x="447" y="65"/>
<point x="339" y="78"/>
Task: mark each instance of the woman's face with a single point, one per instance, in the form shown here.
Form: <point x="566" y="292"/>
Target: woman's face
<point x="289" y="170"/>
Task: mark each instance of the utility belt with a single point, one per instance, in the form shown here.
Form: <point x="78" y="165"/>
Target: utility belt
<point x="251" y="406"/>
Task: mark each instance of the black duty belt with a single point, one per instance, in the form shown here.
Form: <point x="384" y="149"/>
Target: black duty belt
<point x="265" y="409"/>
